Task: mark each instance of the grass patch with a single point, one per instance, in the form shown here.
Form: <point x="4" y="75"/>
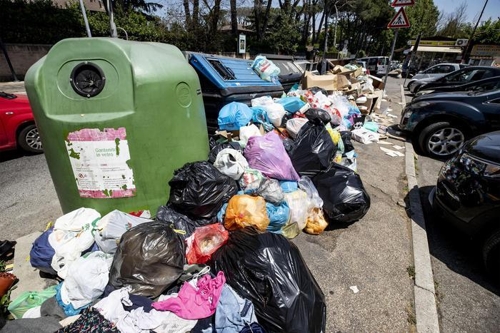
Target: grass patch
<point x="411" y="272"/>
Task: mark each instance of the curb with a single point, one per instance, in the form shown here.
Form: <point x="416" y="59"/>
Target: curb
<point x="425" y="300"/>
<point x="425" y="294"/>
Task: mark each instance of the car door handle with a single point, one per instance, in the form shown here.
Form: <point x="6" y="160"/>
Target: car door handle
<point x="9" y="113"/>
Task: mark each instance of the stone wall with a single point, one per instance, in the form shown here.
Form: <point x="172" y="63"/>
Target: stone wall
<point x="21" y="56"/>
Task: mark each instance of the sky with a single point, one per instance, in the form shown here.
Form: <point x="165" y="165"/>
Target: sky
<point x="474" y="8"/>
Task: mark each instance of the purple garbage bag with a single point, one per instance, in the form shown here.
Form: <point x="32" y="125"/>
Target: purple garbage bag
<point x="268" y="155"/>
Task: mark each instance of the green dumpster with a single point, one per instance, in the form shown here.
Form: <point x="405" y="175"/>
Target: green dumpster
<point x="116" y="118"/>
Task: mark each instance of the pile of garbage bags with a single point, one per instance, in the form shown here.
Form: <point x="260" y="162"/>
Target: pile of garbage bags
<point x="217" y="256"/>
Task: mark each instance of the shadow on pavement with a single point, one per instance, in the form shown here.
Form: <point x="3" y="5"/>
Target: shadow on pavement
<point x="13" y="154"/>
<point x="457" y="251"/>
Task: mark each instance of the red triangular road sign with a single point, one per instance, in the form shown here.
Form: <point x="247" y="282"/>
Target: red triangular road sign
<point x="401" y="3"/>
<point x="400" y="20"/>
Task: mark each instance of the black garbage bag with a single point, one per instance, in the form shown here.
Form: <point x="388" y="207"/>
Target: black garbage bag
<point x="150" y="258"/>
<point x="313" y="150"/>
<point x="314" y="90"/>
<point x="180" y="221"/>
<point x="199" y="190"/>
<point x="318" y="116"/>
<point x="345" y="199"/>
<point x="269" y="270"/>
<point x="212" y="155"/>
<point x="346" y="139"/>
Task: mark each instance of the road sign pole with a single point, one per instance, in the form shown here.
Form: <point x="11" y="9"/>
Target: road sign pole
<point x="390" y="59"/>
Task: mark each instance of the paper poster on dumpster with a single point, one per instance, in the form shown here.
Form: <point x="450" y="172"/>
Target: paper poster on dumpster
<point x="99" y="162"/>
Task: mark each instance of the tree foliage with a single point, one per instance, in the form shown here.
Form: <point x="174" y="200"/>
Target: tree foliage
<point x="271" y="26"/>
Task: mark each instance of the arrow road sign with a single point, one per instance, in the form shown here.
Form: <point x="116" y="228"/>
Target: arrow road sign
<point x="401" y="3"/>
<point x="400" y="20"/>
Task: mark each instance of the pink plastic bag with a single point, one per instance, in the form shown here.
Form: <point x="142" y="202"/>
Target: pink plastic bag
<point x="268" y="155"/>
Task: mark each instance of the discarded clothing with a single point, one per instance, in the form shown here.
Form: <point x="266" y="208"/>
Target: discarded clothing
<point x="90" y="321"/>
<point x="195" y="302"/>
<point x="137" y="320"/>
<point x="233" y="312"/>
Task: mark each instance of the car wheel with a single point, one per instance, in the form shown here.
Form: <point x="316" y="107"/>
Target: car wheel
<point x="491" y="255"/>
<point x="441" y="140"/>
<point x="409" y="85"/>
<point x="29" y="139"/>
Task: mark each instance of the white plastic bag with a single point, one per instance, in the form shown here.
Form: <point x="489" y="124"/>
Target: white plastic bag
<point x="86" y="279"/>
<point x="297" y="201"/>
<point x="294" y="125"/>
<point x="73" y="233"/>
<point x="275" y="113"/>
<point x="267" y="69"/>
<point x="263" y="100"/>
<point x="246" y="132"/>
<point x="231" y="163"/>
<point x="111" y="228"/>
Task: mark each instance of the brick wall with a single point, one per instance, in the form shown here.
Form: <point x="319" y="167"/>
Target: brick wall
<point x="21" y="56"/>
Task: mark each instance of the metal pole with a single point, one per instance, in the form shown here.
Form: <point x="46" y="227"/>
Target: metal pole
<point x="390" y="59"/>
<point x="84" y="13"/>
<point x="325" y="48"/>
<point x="112" y="24"/>
<point x="473" y="31"/>
<point x="412" y="56"/>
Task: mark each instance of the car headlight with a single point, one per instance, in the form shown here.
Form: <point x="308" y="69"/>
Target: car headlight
<point x="477" y="166"/>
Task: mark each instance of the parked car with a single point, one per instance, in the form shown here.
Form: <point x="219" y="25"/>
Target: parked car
<point x="440" y="123"/>
<point x="376" y="65"/>
<point x="432" y="73"/>
<point x="467" y="195"/>
<point x="464" y="75"/>
<point x="482" y="85"/>
<point x="17" y="125"/>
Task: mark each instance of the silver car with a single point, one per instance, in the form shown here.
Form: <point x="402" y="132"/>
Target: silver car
<point x="432" y="73"/>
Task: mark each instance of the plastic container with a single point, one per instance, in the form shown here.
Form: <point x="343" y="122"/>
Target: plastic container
<point x="225" y="80"/>
<point x="116" y="118"/>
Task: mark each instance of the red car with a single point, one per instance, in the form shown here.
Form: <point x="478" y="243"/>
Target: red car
<point x="17" y="125"/>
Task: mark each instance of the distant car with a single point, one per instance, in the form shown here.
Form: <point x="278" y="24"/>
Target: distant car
<point x="467" y="195"/>
<point x="492" y="83"/>
<point x="432" y="73"/>
<point x="464" y="75"/>
<point x="440" y="123"/>
<point x="17" y="125"/>
<point x="377" y="66"/>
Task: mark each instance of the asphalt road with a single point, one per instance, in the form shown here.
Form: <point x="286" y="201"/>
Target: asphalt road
<point x="364" y="269"/>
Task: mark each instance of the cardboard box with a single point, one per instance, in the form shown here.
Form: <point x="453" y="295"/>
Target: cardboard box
<point x="325" y="81"/>
<point x="341" y="82"/>
<point x="337" y="69"/>
<point x="378" y="83"/>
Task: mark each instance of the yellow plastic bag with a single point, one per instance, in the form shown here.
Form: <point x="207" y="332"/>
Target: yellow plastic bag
<point x="245" y="211"/>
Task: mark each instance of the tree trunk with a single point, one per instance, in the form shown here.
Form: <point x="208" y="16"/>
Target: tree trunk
<point x="234" y="17"/>
<point x="187" y="13"/>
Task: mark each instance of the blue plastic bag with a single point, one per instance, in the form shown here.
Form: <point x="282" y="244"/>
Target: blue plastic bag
<point x="233" y="116"/>
<point x="289" y="186"/>
<point x="278" y="216"/>
<point x="291" y="104"/>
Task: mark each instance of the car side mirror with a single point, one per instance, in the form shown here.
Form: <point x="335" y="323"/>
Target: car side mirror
<point x="420" y="72"/>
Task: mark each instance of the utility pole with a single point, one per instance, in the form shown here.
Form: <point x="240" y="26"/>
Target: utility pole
<point x="473" y="32"/>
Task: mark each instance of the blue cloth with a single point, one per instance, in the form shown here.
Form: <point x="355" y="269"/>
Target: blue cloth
<point x="68" y="309"/>
<point x="42" y="252"/>
<point x="233" y="312"/>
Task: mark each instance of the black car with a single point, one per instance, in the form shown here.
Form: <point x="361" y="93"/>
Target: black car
<point x="467" y="195"/>
<point x="440" y="123"/>
<point x="489" y="84"/>
<point x="461" y="76"/>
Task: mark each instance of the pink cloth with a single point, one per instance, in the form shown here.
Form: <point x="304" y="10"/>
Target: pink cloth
<point x="195" y="303"/>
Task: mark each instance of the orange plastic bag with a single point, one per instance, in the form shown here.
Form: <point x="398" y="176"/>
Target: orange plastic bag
<point x="246" y="211"/>
<point x="204" y="242"/>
